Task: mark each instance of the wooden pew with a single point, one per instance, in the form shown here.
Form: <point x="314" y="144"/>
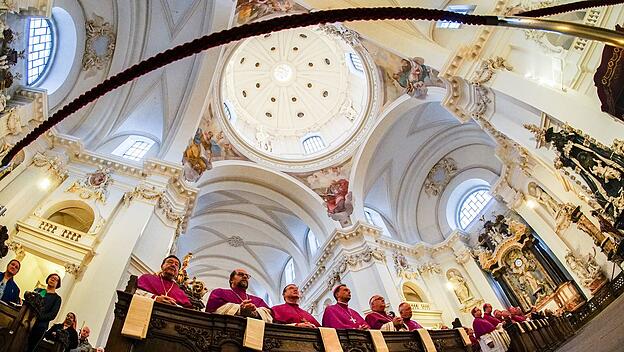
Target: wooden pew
<point x="16" y="322"/>
<point x="175" y="329"/>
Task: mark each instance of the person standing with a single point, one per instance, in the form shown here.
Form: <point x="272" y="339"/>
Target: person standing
<point x="51" y="306"/>
<point x="290" y="313"/>
<point x="9" y="291"/>
<point x="339" y="315"/>
<point x="68" y="326"/>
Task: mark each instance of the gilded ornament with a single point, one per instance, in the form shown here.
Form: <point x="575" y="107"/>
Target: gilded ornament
<point x="100" y="43"/>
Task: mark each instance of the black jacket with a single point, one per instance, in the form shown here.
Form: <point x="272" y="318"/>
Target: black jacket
<point x="51" y="307"/>
<point x="54" y="334"/>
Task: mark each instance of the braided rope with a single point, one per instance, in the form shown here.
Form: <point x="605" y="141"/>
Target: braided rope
<point x="570" y="7"/>
<point x="253" y="29"/>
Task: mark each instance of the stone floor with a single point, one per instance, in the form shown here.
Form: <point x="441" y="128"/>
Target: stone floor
<point x="604" y="333"/>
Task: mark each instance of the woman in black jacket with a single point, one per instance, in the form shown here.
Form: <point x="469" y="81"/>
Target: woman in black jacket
<point x="67" y="328"/>
<point x="51" y="306"/>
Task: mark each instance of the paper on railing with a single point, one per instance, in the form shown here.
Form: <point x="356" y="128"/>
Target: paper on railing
<point x="254" y="334"/>
<point x="426" y="340"/>
<point x="330" y="340"/>
<point x="378" y="341"/>
<point x="138" y="317"/>
<point x="464" y="336"/>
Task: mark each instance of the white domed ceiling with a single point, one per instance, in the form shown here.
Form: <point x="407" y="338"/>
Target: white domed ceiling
<point x="279" y="89"/>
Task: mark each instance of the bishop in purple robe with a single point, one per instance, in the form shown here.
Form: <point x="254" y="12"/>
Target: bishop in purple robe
<point x="487" y="315"/>
<point x="162" y="286"/>
<point x="378" y="319"/>
<point x="236" y="301"/>
<point x="290" y="313"/>
<point x="339" y="315"/>
<point x="489" y="338"/>
<point x="405" y="311"/>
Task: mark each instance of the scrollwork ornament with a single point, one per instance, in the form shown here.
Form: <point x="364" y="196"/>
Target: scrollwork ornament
<point x="202" y="338"/>
<point x="72" y="269"/>
<point x="235" y="241"/>
<point x="142" y="192"/>
<point x="100" y="43"/>
<point x="54" y="164"/>
<point x="440" y="175"/>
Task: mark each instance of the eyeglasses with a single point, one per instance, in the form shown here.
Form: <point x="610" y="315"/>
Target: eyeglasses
<point x="244" y="275"/>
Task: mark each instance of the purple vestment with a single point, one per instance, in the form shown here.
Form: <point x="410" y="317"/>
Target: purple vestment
<point x="518" y="318"/>
<point x="482" y="327"/>
<point x="290" y="313"/>
<point x="411" y="324"/>
<point x="375" y="319"/>
<point x="236" y="295"/>
<point x="491" y="319"/>
<point x="155" y="285"/>
<point x="340" y="316"/>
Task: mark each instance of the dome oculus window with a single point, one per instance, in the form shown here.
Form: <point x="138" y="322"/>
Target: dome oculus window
<point x="471" y="206"/>
<point x="40" y="48"/>
<point x="313" y="144"/>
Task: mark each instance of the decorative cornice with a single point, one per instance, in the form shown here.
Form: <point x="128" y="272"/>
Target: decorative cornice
<point x="353" y="261"/>
<point x="144" y="192"/>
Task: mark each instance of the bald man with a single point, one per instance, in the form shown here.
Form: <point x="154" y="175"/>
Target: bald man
<point x="236" y="301"/>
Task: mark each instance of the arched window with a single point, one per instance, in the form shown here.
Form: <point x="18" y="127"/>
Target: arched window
<point x="312" y="241"/>
<point x="40" y="48"/>
<point x="289" y="272"/>
<point x="313" y="144"/>
<point x="471" y="205"/>
<point x="134" y="148"/>
<point x="374" y="218"/>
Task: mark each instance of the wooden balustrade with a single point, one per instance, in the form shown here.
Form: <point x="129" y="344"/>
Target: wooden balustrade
<point x="175" y="329"/>
<point x="16" y="322"/>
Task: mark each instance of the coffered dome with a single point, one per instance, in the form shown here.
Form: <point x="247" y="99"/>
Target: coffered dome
<point x="295" y="99"/>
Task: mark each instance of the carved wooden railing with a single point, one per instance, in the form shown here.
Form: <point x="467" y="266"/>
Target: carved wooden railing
<point x="607" y="294"/>
<point x="175" y="329"/>
<point x="16" y="323"/>
<point x="539" y="335"/>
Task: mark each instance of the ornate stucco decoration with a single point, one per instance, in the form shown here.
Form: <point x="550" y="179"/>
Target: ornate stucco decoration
<point x="463" y="256"/>
<point x="167" y="209"/>
<point x="440" y="175"/>
<point x="55" y="165"/>
<point x="482" y="75"/>
<point x="235" y="241"/>
<point x="142" y="192"/>
<point x="430" y="268"/>
<point x="100" y="43"/>
<point x="18" y="249"/>
<point x="402" y="268"/>
<point x="355" y="260"/>
<point x="350" y="36"/>
<point x="73" y="269"/>
<point x="95" y="185"/>
<point x="587" y="269"/>
<point x="543" y="198"/>
<point x="497" y="238"/>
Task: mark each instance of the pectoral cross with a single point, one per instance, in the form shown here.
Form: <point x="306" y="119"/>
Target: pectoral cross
<point x="352" y="320"/>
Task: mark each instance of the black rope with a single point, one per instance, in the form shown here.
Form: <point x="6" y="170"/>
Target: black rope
<point x="258" y="28"/>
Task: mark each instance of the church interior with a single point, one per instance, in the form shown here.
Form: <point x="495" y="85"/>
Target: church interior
<point x="441" y="163"/>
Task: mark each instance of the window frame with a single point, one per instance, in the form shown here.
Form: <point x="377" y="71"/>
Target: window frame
<point x="122" y="149"/>
<point x="314" y="137"/>
<point x="464" y="199"/>
<point x="51" y="25"/>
